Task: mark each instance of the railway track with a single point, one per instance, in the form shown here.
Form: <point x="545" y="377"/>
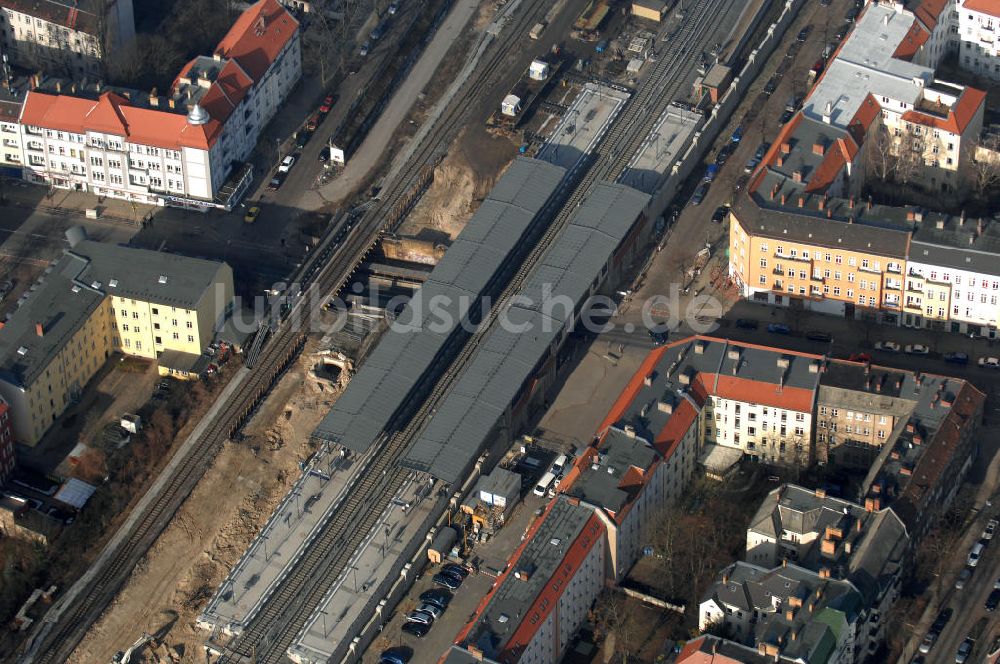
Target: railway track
<point x="327" y="272"/>
<point x="271" y="631"/>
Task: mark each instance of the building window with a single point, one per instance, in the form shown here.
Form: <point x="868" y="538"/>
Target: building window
<point x="190" y="339"/>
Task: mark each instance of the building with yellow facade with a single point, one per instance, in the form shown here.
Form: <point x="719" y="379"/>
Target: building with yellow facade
<point x="93" y="301"/>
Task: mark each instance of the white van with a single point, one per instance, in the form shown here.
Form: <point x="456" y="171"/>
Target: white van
<point x="559" y="465"/>
<point x="975" y="554"/>
<point x="543" y="484"/>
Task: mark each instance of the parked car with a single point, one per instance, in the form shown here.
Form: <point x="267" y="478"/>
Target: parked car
<point x="724" y="154"/>
<point x="711" y="172"/>
<point x="737" y="135"/>
<point x="366" y="47"/>
<point x="659" y="338"/>
<point x="888" y="346"/>
<point x="5" y="288"/>
<point x="392" y="656"/>
<point x="991" y="529"/>
<point x="771" y="85"/>
<point x="975" y="554"/>
<point x="302" y="138"/>
<point x="956" y="358"/>
<point x="286" y="164"/>
<point x="452" y="568"/>
<point x="327" y="104"/>
<point x="804" y="33"/>
<point x="379" y="30"/>
<point x="962" y="654"/>
<point x="989" y="362"/>
<point x="436" y="597"/>
<point x="962" y="578"/>
<point x="276" y="182"/>
<point x="720" y="214"/>
<point x="819" y="335"/>
<point x="420" y="617"/>
<point x="916" y="349"/>
<point x="779" y="328"/>
<point x="993" y="600"/>
<point x="929" y="640"/>
<point x="251" y="215"/>
<point x="860" y="357"/>
<point x="786" y="117"/>
<point x="433" y="610"/>
<point x="416" y="629"/>
<point x="746" y="324"/>
<point x="393" y="8"/>
<point x="447" y="581"/>
<point x="699" y="194"/>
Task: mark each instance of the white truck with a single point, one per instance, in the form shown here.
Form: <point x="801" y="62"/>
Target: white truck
<point x="537" y="29"/>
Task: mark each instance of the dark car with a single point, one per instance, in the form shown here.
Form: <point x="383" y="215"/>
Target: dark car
<point x="392" y="656"/>
<point x="303" y="138"/>
<point x="439" y="600"/>
<point x="724" y="154"/>
<point x="779" y="328"/>
<point x="746" y="324"/>
<point x="993" y="600"/>
<point x="447" y="580"/>
<point x="416" y="629"/>
<point x="276" y="182"/>
<point x="860" y="357"/>
<point x="699" y="194"/>
<point x="804" y="33"/>
<point x="771" y="85"/>
<point x="851" y="15"/>
<point x="786" y="116"/>
<point x="818" y="335"/>
<point x="737" y="135"/>
<point x="956" y="358"/>
<point x="457" y="570"/>
<point x="711" y="173"/>
<point x="720" y="214"/>
<point x="659" y="338"/>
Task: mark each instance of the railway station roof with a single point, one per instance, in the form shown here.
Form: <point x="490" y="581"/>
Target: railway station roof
<point x="512" y="352"/>
<point x="416" y="343"/>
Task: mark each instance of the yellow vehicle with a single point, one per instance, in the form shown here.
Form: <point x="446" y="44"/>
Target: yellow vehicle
<point x="251" y="215"/>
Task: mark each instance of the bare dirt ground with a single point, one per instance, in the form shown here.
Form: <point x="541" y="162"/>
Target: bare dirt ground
<point x="461" y="181"/>
<point x="214" y="526"/>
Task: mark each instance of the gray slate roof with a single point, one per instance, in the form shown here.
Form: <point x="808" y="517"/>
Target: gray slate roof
<point x="76" y="284"/>
<point x="469" y="269"/>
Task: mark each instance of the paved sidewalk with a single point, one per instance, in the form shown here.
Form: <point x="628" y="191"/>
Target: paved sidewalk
<point x="62" y="201"/>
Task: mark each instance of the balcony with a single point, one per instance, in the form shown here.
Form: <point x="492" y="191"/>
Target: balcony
<point x="869" y="270"/>
<point x="892" y="302"/>
<point x="895" y="268"/>
<point x="35" y="147"/>
<point x="893" y="285"/>
<point x="778" y="271"/>
<point x="912" y="287"/>
<point x="913" y="307"/>
<point x="818" y="279"/>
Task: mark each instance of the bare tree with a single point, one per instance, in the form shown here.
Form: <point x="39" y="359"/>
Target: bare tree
<point x="614" y="619"/>
<point x="985" y="164"/>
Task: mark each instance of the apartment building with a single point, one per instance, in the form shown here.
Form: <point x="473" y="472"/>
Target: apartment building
<point x="95" y="300"/>
<point x="977" y="23"/>
<point x="788" y="612"/>
<point x="6" y="442"/>
<point x="836" y="539"/>
<point x="71" y="38"/>
<point x="542" y="599"/>
<point x="182" y="149"/>
<point x="10" y="133"/>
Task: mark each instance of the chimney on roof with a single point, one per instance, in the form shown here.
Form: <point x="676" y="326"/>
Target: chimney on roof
<point x="961" y="219"/>
<point x="630" y="430"/>
<point x="869" y="202"/>
<point x="979" y="227"/>
<point x="783" y="199"/>
<point x="819" y="148"/>
<point x="98" y="86"/>
<point x="828" y="112"/>
<point x="58" y="86"/>
<point x="779" y="160"/>
<point x="822" y="202"/>
<point x="218" y="56"/>
<point x="39" y="329"/>
<point x="72" y="88"/>
<point x="797" y="176"/>
<point x="909" y="215"/>
<point x="802" y="201"/>
<point x="939" y="224"/>
<point x="786" y="148"/>
<point x="171" y="103"/>
<point x="918" y="216"/>
<point x="829" y="213"/>
<point x="774" y="190"/>
<point x="850" y="202"/>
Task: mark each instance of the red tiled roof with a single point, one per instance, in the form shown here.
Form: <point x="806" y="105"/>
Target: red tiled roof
<point x="991" y="7"/>
<point x="258" y="36"/>
<point x="591" y="535"/>
<point x="910" y="45"/>
<point x="766" y="394"/>
<point x="693" y="652"/>
<point x="928" y="11"/>
<point x="838" y="154"/>
<point x="675" y="429"/>
<point x="863" y="119"/>
<point x="113" y="114"/>
<point x="958" y="118"/>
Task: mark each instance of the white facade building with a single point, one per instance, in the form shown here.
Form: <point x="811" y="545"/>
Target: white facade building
<point x="175" y="150"/>
<point x="64" y="37"/>
<point x="978" y="30"/>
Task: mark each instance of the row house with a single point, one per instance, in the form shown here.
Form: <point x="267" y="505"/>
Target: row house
<point x="65" y="38"/>
<point x="184" y="149"/>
